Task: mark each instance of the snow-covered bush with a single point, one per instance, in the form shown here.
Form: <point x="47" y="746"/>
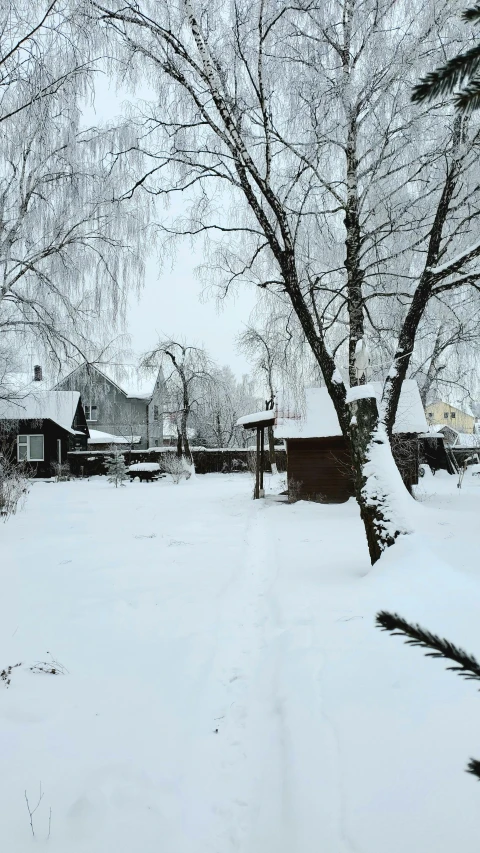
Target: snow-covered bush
<point x="61" y="470"/>
<point x="116" y="468"/>
<point x="13" y="484"/>
<point x="177" y="466"/>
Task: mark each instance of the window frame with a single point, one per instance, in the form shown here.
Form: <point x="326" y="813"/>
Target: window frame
<point x="28" y="457"/>
<point x="88" y="412"/>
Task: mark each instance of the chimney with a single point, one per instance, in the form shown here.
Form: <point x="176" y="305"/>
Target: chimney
<point x="37" y="373"/>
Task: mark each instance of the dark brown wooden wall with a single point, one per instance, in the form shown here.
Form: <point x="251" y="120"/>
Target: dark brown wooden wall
<point x="320" y="469"/>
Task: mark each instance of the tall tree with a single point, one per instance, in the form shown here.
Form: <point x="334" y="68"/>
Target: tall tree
<point x="68" y="251"/>
<point x="188" y="372"/>
<point x="345" y="198"/>
<point x="223" y="401"/>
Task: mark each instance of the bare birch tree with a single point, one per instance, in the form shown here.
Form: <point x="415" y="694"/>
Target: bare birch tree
<point x="344" y="197"/>
<point x="223" y="401"/>
<point x="187" y="372"/>
<point x="68" y="251"/>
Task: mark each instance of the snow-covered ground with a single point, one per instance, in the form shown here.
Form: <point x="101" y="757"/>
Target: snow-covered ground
<point x="226" y="689"/>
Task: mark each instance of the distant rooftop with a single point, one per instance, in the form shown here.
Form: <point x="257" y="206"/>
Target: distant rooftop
<point x="461" y="402"/>
<point x="135" y="382"/>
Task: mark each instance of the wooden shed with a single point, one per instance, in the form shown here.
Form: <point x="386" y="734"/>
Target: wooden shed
<point x="318" y="460"/>
<point x="41" y="427"/>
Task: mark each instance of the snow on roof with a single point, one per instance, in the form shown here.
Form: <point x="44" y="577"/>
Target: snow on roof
<point x="134" y="381"/>
<point x="321" y="418"/>
<point x="462" y="439"/>
<point x="20" y="383"/>
<point x="257" y="417"/>
<point x="99" y="437"/>
<point x="57" y="406"/>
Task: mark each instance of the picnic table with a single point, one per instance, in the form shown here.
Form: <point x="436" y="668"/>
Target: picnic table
<point x="145" y="471"/>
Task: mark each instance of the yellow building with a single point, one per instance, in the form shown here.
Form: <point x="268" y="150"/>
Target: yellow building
<point x="442" y="413"/>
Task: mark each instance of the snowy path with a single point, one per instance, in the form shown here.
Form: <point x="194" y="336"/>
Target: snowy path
<point x="226" y="689"/>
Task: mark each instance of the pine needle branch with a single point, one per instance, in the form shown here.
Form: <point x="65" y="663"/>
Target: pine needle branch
<point x="473" y="767"/>
<point x="468" y="99"/>
<point x="437" y="647"/>
<point x="445" y="79"/>
<point x="472" y="14"/>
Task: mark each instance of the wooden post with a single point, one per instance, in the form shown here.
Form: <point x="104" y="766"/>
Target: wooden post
<point x="262" y="458"/>
<point x="257" y="467"/>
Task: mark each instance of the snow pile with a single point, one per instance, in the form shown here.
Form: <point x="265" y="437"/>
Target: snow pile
<point x="360" y="392"/>
<point x="266" y="417"/>
<point x="144" y="466"/>
<point x="385" y="486"/>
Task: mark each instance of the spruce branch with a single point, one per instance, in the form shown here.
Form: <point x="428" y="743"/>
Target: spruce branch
<point x="472" y="14"/>
<point x="445" y="79"/>
<point x="473" y="767"/>
<point x="461" y="70"/>
<point x="465" y="664"/>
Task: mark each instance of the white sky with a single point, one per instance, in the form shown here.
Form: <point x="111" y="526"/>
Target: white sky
<point x="170" y="302"/>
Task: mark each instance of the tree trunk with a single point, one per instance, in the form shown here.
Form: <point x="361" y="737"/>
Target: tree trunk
<point x="271" y="450"/>
<point x="183" y="430"/>
<point x="376" y="478"/>
<point x="365" y="438"/>
<point x="179" y="444"/>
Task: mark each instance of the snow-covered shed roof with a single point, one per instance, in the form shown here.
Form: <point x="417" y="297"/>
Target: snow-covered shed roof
<point x="57" y="406"/>
<point x="99" y="437"/>
<point x="460" y="439"/>
<point x="320" y="420"/>
<point x="262" y="418"/>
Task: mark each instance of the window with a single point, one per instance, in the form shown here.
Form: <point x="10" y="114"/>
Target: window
<point x="91" y="413"/>
<point x="30" y="448"/>
<point x="445" y="415"/>
<point x="155" y="413"/>
<point x="452" y="414"/>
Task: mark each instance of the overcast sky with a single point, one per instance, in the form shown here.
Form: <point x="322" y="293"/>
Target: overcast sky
<point x="171" y="302"/>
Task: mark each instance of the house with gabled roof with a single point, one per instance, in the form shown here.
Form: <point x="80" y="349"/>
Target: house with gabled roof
<point x="456" y="414"/>
<point x="121" y="402"/>
<point x="41" y="427"/>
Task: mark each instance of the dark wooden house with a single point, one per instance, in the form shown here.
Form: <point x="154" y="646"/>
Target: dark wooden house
<point x="318" y="460"/>
<point x="41" y="427"/>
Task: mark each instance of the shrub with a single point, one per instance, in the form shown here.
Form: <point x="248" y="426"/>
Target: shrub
<point x="13" y="484"/>
<point x="177" y="466"/>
